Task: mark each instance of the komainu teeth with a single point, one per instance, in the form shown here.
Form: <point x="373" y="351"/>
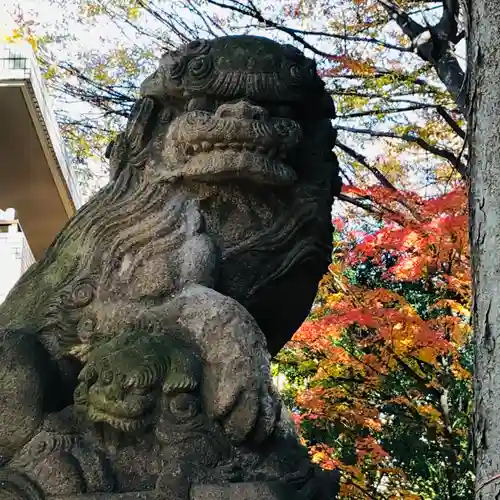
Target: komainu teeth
<point x="205" y="146"/>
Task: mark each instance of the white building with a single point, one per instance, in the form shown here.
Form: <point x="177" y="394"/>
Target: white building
<point x="36" y="180"/>
<point x="15" y="253"/>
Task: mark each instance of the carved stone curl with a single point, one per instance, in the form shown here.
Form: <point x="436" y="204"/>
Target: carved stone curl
<point x="135" y="356"/>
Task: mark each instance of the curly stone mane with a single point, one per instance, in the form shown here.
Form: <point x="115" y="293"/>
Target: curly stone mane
<point x="85" y="256"/>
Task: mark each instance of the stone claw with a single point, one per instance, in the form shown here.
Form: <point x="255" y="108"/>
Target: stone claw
<point x="237" y="387"/>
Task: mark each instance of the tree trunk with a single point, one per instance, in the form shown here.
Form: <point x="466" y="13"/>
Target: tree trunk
<point x="484" y="128"/>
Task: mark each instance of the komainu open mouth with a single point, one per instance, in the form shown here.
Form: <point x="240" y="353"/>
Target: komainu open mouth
<point x="125" y="424"/>
<point x="218" y="165"/>
<point x="238" y="141"/>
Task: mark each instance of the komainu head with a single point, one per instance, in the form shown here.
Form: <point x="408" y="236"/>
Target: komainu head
<point x="240" y="108"/>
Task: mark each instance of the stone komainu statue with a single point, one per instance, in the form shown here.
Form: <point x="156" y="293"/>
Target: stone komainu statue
<point x="134" y="357"/>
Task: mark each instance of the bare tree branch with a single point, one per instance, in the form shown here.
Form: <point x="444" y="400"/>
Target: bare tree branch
<point x="363" y="161"/>
<point x="371" y="112"/>
<point x="443" y="153"/>
<point x="450" y="121"/>
<point x="356" y="203"/>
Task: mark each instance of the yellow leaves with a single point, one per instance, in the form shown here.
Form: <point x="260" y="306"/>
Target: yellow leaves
<point x="16" y="36"/>
<point x="334" y="368"/>
<point x="323" y="456"/>
<point x="444" y="172"/>
<point x="429" y="412"/>
<point x="392" y="167"/>
<point x="51" y="72"/>
<point x="459" y="372"/>
<point x="134" y="12"/>
<point x="91" y="8"/>
<point x="318" y="457"/>
<point x="100" y="73"/>
<point x="427" y="355"/>
<point x="21" y="34"/>
<point x="94" y="8"/>
<point x="433" y="131"/>
<point x="454" y="306"/>
<point x="350" y="103"/>
<point x="333" y="299"/>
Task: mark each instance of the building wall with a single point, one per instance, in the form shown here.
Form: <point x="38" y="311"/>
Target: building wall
<point x="15" y="253"/>
<point x="19" y="71"/>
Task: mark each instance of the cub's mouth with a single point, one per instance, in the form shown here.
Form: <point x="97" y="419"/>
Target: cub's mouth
<point x="239" y="140"/>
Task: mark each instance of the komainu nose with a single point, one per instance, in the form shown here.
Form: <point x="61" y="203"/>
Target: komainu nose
<point x="242" y="109"/>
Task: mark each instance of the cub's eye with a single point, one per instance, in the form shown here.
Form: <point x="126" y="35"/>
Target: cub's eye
<point x="139" y="391"/>
<point x="106" y="377"/>
<point x="184" y="406"/>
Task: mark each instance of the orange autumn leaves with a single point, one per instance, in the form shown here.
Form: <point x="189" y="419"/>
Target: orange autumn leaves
<point x="350" y="65"/>
<point x="429" y="237"/>
<point x="371" y="347"/>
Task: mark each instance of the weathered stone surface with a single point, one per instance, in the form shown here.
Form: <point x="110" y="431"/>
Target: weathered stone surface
<point x="134" y="358"/>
